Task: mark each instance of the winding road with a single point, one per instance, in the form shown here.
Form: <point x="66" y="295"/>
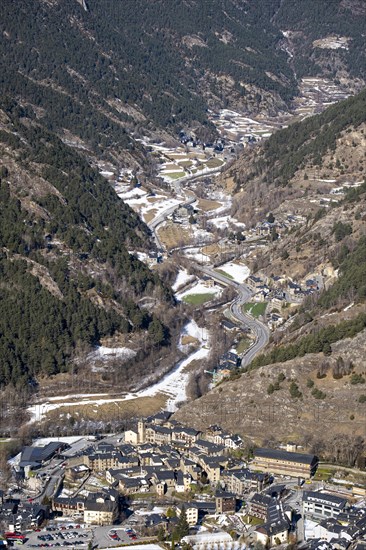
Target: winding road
<point x="259" y="329"/>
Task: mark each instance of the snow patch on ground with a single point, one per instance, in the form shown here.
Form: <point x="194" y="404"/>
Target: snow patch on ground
<point x="142" y="256"/>
<point x="200" y="288"/>
<point x="173" y="384"/>
<point x="193" y="330"/>
<point x="182" y="278"/>
<point x="75" y="396"/>
<point x="125" y="192"/>
<point x="161" y="206"/>
<point x="196" y="254"/>
<point x="120" y="353"/>
<point x="223" y="222"/>
<point x="239" y="272"/>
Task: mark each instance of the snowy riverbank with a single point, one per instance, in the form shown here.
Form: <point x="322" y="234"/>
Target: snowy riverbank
<point x="173" y="384"/>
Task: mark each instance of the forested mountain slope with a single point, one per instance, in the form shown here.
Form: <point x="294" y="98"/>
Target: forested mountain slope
<point x="98" y="75"/>
<point x="135" y="63"/>
<point x="67" y="279"/>
<point x="324" y="38"/>
<point x="306" y="144"/>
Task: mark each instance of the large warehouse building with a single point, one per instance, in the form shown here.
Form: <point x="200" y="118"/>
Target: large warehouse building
<point x="284" y="463"/>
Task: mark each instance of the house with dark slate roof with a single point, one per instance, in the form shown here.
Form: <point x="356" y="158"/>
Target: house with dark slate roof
<point x="285" y="463"/>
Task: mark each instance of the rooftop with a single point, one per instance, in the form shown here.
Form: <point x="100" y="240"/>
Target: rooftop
<point x="275" y="454"/>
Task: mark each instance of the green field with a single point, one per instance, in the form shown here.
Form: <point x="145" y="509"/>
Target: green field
<point x="198" y="299"/>
<point x="214" y="163"/>
<point x="256" y="309"/>
<point x="175" y="175"/>
<point x="324" y="474"/>
<point x="224" y="273"/>
<point x="243" y="345"/>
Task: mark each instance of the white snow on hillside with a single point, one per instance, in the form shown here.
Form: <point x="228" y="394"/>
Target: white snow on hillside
<point x="223" y="222"/>
<point x="173" y="384"/>
<point x="121" y="353"/>
<point x="193" y="330"/>
<point x="161" y="206"/>
<point x="196" y="254"/>
<point x="125" y="192"/>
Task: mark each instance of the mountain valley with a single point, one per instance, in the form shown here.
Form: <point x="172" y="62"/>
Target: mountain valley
<point x="133" y="155"/>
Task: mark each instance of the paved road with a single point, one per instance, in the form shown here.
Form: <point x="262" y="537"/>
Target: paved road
<point x="191" y="177"/>
<point x="260" y="330"/>
<point x="160" y="218"/>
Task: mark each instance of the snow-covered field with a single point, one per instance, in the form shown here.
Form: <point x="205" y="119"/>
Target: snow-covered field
<point x="161" y="205"/>
<point x="143" y="202"/>
<point x="182" y="279"/>
<point x="196" y="254"/>
<point x="126" y="193"/>
<point x="239" y="272"/>
<point x="196" y="332"/>
<point x="223" y="222"/>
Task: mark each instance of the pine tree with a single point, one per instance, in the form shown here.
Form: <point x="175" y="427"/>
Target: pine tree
<point x="182" y="528"/>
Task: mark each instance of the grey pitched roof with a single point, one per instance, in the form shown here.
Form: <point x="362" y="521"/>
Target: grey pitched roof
<point x="277" y="454"/>
<point x="263" y="500"/>
<point x="106" y="506"/>
<point x="37" y="455"/>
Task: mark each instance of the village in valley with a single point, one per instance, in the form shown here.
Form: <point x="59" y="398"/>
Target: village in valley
<point x="161" y="481"/>
<point x="161" y="484"/>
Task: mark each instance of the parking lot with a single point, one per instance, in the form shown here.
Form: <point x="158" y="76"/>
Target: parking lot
<point x="113" y="536"/>
<point x="79" y="536"/>
<point x="59" y="536"/>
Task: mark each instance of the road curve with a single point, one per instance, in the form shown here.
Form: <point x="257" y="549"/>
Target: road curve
<point x="160" y="218"/>
<point x="260" y="330"/>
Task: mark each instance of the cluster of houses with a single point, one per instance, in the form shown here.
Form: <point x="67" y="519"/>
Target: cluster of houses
<point x="160" y="457"/>
<point x="198" y="472"/>
<point x="278" y="291"/>
<point x="228" y="362"/>
<point x="267" y="228"/>
<point x="217" y="145"/>
<point x="331" y="522"/>
<point x="18" y="515"/>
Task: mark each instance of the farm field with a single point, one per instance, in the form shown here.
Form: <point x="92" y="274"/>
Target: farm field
<point x="206" y="205"/>
<point x="256" y="309"/>
<point x="173" y="235"/>
<point x="198" y="299"/>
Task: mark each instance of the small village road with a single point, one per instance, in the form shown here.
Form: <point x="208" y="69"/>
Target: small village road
<point x="260" y="330"/>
